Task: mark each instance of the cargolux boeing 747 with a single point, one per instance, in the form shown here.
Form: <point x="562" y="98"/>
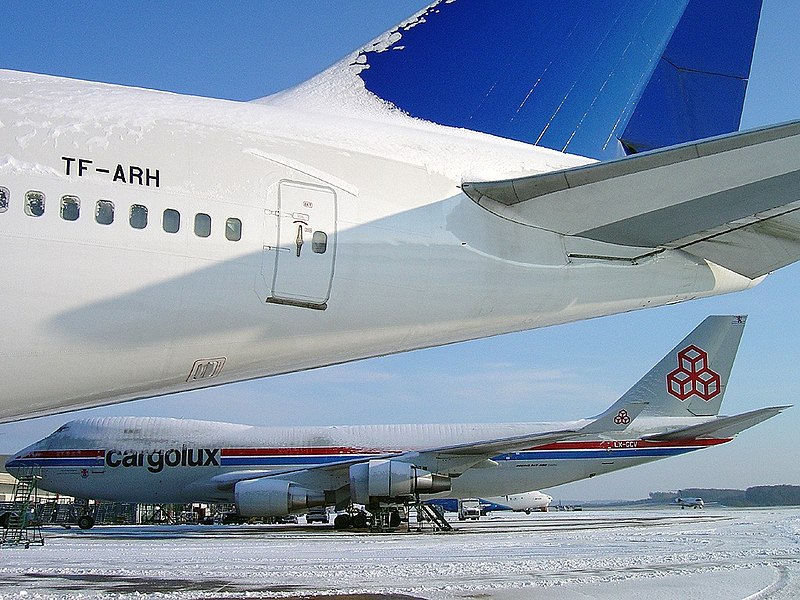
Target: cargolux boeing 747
<point x="474" y="171"/>
<point x="272" y="471"/>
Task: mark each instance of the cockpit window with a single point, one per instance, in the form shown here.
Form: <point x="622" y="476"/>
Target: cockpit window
<point x="3" y="199"/>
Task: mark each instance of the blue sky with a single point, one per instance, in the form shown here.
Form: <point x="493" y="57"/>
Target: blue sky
<point x="241" y="50"/>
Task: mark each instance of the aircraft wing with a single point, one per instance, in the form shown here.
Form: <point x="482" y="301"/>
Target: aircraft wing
<point x="733" y="200"/>
<point x="723" y="427"/>
<point x="454" y="460"/>
<point x="335" y="474"/>
<point x="450" y="460"/>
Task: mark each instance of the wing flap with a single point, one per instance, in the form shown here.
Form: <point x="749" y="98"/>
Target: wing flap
<point x="754" y="249"/>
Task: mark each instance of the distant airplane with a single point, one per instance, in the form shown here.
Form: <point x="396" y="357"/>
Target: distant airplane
<point x="690" y="502"/>
<point x="525" y="502"/>
<point x="436" y="186"/>
<point x="273" y="471"/>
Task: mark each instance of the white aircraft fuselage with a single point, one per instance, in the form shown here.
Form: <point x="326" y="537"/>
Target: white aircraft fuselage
<point x="142" y="459"/>
<point x="250" y="240"/>
<point x="523" y="502"/>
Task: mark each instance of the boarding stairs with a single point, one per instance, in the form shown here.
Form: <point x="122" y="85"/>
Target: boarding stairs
<point x="428" y="513"/>
<point x="23" y="528"/>
<point x="57" y="512"/>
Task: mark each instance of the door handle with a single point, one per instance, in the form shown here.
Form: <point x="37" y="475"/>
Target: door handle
<point x="299" y="240"/>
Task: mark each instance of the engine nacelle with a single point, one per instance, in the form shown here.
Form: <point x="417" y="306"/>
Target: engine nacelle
<point x="268" y="497"/>
<point x="386" y="478"/>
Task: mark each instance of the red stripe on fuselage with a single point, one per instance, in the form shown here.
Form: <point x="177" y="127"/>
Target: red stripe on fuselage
<point x="65" y="454"/>
<point x="606" y="444"/>
<point x="348" y="451"/>
<point x="313" y="451"/>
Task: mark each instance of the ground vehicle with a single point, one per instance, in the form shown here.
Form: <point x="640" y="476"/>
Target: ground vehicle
<point x="469" y="509"/>
<point x="317" y="516"/>
<point x="286" y="520"/>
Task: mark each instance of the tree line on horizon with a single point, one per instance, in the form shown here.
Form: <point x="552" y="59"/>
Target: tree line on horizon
<point x="759" y="495"/>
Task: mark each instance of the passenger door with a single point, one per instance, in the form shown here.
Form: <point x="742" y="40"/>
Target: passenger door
<point x="306" y="245"/>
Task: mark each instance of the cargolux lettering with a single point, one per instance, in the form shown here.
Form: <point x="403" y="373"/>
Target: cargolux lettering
<point x="156" y="460"/>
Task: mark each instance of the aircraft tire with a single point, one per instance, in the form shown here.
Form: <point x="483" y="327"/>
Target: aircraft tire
<point x="342" y="521"/>
<point x="394" y="519"/>
<point x="85" y="521"/>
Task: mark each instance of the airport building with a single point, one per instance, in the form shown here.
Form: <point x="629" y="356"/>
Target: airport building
<point x="53" y="508"/>
<point x="7" y="482"/>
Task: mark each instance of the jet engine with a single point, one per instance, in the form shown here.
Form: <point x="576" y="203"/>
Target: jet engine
<point x="386" y="478"/>
<point x="268" y="497"/>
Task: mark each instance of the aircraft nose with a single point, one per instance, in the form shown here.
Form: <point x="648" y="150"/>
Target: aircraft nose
<point x="22" y="460"/>
<point x="14" y="464"/>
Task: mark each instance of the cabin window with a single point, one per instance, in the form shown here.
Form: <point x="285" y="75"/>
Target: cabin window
<point x="138" y="217"/>
<point x="202" y="225"/>
<point x="172" y="220"/>
<point x="104" y="212"/>
<point x="3" y="199"/>
<point x="233" y="229"/>
<point x="319" y="242"/>
<point x="34" y="204"/>
<point x="70" y="208"/>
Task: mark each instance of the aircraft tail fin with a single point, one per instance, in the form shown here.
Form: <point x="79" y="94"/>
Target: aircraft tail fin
<point x="594" y="78"/>
<point x="690" y="380"/>
<point x="697" y="90"/>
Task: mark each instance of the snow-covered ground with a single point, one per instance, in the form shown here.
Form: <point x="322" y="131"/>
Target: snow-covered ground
<point x="666" y="553"/>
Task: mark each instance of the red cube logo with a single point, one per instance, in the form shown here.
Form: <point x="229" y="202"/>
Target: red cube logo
<point x="693" y="376"/>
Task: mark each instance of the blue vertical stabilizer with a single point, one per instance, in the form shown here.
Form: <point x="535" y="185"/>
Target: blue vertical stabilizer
<point x="698" y="88"/>
<point x="597" y="78"/>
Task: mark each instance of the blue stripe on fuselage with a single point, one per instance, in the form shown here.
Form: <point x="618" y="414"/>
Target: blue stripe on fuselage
<point x="312" y="459"/>
<point x="293" y="459"/>
<point x="593" y="454"/>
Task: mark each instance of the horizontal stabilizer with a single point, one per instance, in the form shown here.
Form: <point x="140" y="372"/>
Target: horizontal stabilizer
<point x="732" y="200"/>
<point x="722" y="427"/>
